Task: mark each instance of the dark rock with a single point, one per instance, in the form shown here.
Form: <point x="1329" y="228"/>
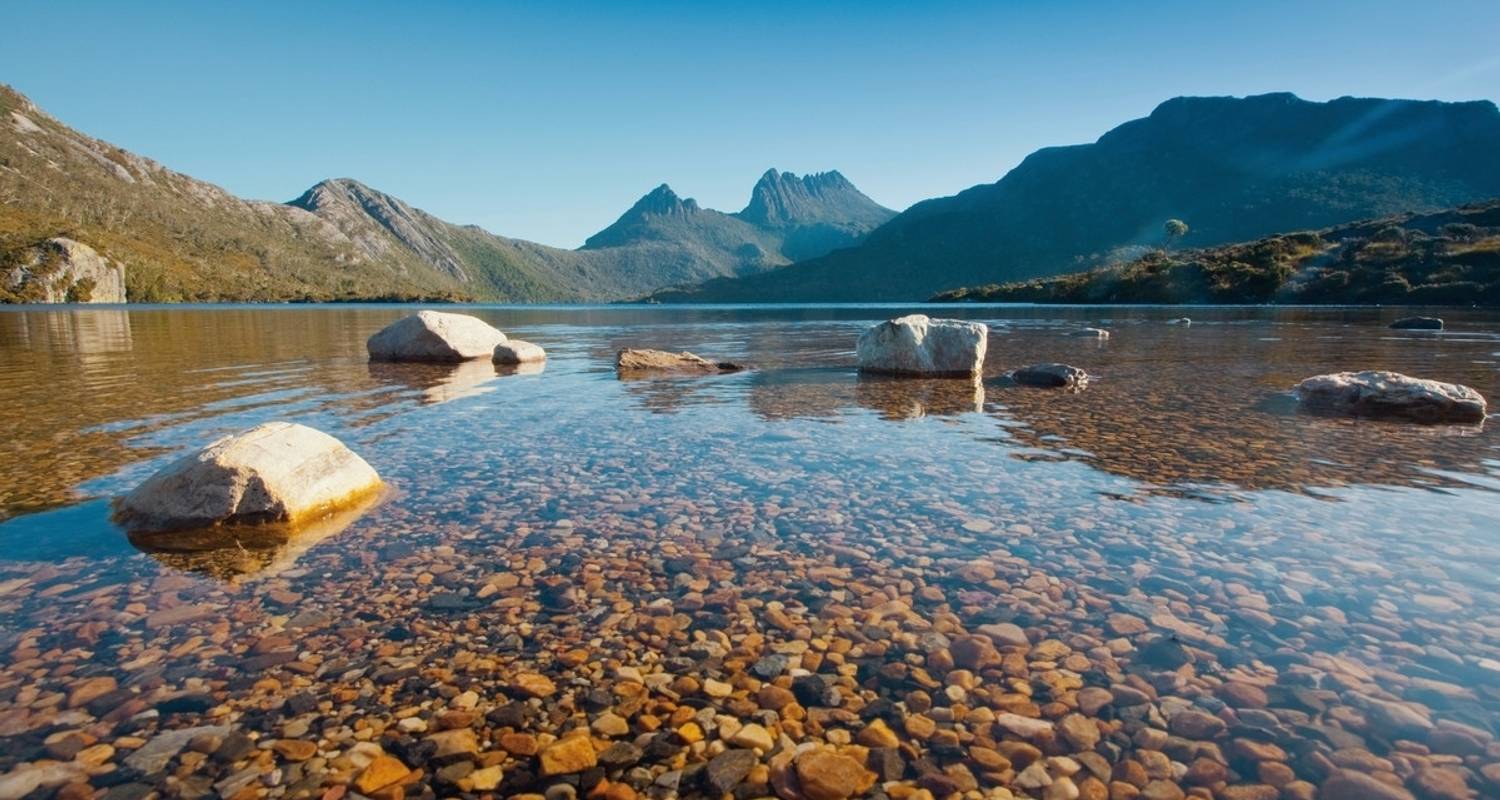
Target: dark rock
<point x="813" y="690"/>
<point x="236" y="745"/>
<point x="1418" y="324"/>
<point x="185" y="704"/>
<point x="1165" y="653"/>
<point x="128" y="791"/>
<point x="887" y="763"/>
<point x="510" y="715"/>
<point x="728" y="768"/>
<point x="621" y="755"/>
<point x="768" y="667"/>
<point x="1061" y="376"/>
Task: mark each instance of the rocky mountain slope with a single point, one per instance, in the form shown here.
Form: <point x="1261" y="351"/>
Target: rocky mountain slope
<point x="788" y="218"/>
<point x="176" y="238"/>
<point x="1445" y="258"/>
<point x="1233" y="169"/>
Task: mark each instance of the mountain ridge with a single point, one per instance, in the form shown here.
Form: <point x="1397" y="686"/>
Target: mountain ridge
<point x="182" y="239"/>
<point x="1232" y="168"/>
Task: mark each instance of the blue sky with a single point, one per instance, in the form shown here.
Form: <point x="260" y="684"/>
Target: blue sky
<point x="547" y="120"/>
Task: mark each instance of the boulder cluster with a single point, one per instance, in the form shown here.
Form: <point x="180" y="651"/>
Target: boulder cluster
<point x="284" y="473"/>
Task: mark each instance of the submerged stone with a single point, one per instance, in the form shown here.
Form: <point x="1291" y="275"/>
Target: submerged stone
<point x="1392" y="395"/>
<point x="1061" y="376"/>
<point x="1418" y="324"/>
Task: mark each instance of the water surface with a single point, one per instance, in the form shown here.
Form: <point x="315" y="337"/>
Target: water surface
<point x="1338" y="564"/>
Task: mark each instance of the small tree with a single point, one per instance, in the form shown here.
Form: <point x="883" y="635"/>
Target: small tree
<point x="1175" y="229"/>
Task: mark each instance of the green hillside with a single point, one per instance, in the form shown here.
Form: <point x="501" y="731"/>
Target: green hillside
<point x="1446" y="258"/>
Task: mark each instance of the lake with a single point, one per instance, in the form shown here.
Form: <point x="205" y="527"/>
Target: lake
<point x="1170" y="579"/>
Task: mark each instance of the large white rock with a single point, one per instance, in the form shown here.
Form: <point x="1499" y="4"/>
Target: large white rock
<point x="434" y="336"/>
<point x="275" y="472"/>
<point x="1390" y="394"/>
<point x="916" y="345"/>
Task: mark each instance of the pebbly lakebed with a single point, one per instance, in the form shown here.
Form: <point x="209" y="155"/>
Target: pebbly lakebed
<point x="790" y="581"/>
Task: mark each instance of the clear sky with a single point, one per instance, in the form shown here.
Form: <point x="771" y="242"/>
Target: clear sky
<point x="546" y="120"/>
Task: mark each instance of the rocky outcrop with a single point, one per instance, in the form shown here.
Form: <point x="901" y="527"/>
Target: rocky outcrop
<point x="344" y="202"/>
<point x="1051" y="375"/>
<point x="1417" y="324"/>
<point x="516" y="351"/>
<point x="917" y="345"/>
<point x="61" y="270"/>
<point x="275" y="472"/>
<point x="1390" y="395"/>
<point x="434" y="336"/>
<point x="634" y="361"/>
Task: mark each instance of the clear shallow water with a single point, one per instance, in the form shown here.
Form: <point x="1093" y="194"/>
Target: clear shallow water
<point x="1341" y="565"/>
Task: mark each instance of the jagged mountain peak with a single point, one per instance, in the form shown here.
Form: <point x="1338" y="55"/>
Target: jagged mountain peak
<point x="654" y="208"/>
<point x="662" y="200"/>
<point x="350" y="205"/>
<point x="335" y="190"/>
<point x="832" y="179"/>
<point x="782" y="198"/>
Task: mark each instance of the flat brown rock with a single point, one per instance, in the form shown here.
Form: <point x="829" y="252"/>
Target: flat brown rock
<point x="826" y="775"/>
<point x="568" y="755"/>
<point x="639" y="360"/>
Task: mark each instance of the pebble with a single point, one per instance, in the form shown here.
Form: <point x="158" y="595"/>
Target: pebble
<point x="382" y="772"/>
<point x="568" y="755"/>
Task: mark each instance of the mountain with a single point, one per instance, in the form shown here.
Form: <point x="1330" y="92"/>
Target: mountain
<point x="1449" y="257"/>
<point x="815" y="214"/>
<point x="485" y="265"/>
<point x="168" y="237"/>
<point x="177" y="238"/>
<point x="1234" y="169"/>
<point x="788" y="217"/>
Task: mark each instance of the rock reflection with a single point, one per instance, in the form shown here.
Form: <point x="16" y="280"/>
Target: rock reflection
<point x="438" y="383"/>
<point x="87" y="333"/>
<point x="812" y="393"/>
<point x="670" y="393"/>
<point x="236" y="554"/>
<point x="910" y="398"/>
<point x="528" y="368"/>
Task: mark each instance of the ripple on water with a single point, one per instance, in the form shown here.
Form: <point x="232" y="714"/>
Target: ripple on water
<point x="1172" y="529"/>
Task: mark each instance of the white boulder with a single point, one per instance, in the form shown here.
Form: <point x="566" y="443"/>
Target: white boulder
<point x="1390" y="394"/>
<point x="275" y="472"/>
<point x="515" y="351"/>
<point x="434" y="336"/>
<point x="917" y="345"/>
